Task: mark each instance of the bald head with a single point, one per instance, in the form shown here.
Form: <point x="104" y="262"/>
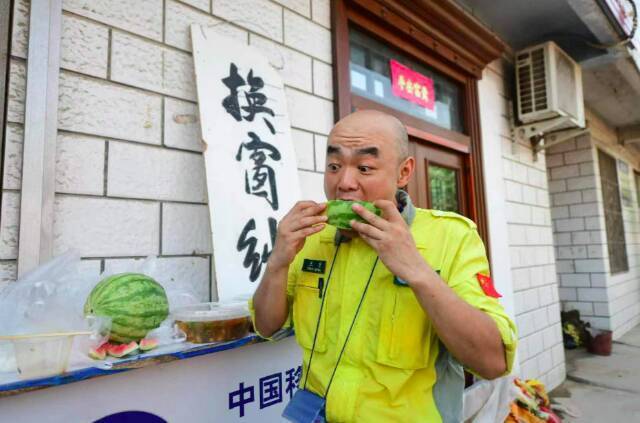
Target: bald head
<point x="376" y="124"/>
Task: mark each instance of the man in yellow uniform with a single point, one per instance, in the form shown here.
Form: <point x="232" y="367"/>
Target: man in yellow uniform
<point x="384" y="313"/>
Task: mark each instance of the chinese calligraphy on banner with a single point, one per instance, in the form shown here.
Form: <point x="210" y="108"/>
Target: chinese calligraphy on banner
<point x="250" y="163"/>
<point x="412" y="86"/>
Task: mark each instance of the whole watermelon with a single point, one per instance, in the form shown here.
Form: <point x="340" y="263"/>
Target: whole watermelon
<point x="135" y="303"/>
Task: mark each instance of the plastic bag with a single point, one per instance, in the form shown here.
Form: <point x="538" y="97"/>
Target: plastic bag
<point x="167" y="333"/>
<point x="48" y="299"/>
<point x="489" y="400"/>
<point x="179" y="292"/>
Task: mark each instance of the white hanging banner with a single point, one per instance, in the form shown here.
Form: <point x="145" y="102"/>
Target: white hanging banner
<point x="251" y="170"/>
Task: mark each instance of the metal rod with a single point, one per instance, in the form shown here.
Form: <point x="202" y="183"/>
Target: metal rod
<point x="35" y="243"/>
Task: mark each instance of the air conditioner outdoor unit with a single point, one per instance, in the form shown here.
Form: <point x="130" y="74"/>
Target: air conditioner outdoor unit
<point x="549" y="88"/>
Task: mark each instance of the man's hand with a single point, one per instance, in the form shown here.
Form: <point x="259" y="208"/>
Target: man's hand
<point x="303" y="220"/>
<point x="390" y="236"/>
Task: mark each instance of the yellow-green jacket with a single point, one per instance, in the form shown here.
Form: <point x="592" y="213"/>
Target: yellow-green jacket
<point x="394" y="367"/>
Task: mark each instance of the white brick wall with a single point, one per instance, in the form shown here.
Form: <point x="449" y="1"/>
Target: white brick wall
<point x="182" y="125"/>
<point x="129" y="170"/>
<point x="582" y="264"/>
<point x="142" y="17"/>
<point x="103" y="108"/>
<point x="185" y="229"/>
<point x="530" y="237"/>
<point x="623" y="289"/>
<point x="104" y="227"/>
<point x="295" y="67"/>
<point x="309" y="112"/>
<point x="305" y="35"/>
<point x="85" y="46"/>
<point x="179" y="17"/>
<point x="17" y="90"/>
<point x="9" y="225"/>
<point x="80" y="164"/>
<point x="137" y="171"/>
<point x="260" y="16"/>
<point x="12" y="178"/>
<point x="606" y="301"/>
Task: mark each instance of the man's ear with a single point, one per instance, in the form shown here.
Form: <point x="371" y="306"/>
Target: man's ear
<point x="405" y="171"/>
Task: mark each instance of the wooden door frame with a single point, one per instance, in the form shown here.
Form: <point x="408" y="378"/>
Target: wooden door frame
<point x="459" y="170"/>
<point x="444" y="37"/>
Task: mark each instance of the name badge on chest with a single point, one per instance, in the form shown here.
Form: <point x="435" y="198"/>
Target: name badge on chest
<point x="314" y="266"/>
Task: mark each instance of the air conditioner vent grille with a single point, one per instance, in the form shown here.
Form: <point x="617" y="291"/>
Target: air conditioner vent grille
<point x="549" y="86"/>
<point x="539" y="79"/>
<point x="524" y="81"/>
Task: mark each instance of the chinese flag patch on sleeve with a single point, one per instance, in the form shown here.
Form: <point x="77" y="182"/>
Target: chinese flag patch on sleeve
<point x="487" y="286"/>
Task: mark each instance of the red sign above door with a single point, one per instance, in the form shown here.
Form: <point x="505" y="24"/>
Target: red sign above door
<point x="412" y="86"/>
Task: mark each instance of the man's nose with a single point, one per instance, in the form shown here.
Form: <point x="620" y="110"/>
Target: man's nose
<point x="348" y="180"/>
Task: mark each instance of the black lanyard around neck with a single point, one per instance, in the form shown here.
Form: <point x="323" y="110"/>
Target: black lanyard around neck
<point x="315" y="335"/>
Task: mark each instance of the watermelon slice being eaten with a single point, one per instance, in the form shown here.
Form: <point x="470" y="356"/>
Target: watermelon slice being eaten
<point x="120" y="350"/>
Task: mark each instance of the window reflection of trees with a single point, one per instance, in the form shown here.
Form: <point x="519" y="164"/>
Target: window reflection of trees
<point x="444" y="188"/>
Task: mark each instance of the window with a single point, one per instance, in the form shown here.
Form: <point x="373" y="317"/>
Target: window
<point x="370" y="72"/>
<point x="613" y="213"/>
<point x="381" y="45"/>
<point x="443" y="186"/>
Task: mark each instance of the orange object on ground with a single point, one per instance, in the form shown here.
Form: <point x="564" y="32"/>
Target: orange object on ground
<point x="532" y="405"/>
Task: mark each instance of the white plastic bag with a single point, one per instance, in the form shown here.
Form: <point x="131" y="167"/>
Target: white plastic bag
<point x="50" y="299"/>
<point x="179" y="292"/>
<point x="489" y="401"/>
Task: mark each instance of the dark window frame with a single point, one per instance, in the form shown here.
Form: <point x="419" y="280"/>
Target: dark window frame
<point x="613" y="213"/>
<point x="636" y="180"/>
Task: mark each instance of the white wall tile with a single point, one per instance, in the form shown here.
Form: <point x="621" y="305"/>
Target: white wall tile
<point x="17" y="91"/>
<point x="20" y="30"/>
<point x="321" y="12"/>
<point x="84" y="46"/>
<point x="9" y="225"/>
<point x="14" y="137"/>
<point x="80" y="164"/>
<point x="309" y="112"/>
<point x="182" y="125"/>
<point x="322" y="79"/>
<point x="143" y="17"/>
<point x="305" y="35"/>
<point x="295" y="67"/>
<point x="185" y="229"/>
<point x="260" y="16"/>
<point x="103" y="227"/>
<point x="179" y="18"/>
<point x="94" y="107"/>
<point x="137" y="171"/>
<point x="303" y="145"/>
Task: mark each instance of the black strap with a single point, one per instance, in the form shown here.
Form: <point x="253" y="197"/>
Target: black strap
<point x="315" y="335"/>
<point x="344" y="345"/>
<point x="326" y="394"/>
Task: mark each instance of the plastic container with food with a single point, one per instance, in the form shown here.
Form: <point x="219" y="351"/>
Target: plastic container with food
<point x="213" y="322"/>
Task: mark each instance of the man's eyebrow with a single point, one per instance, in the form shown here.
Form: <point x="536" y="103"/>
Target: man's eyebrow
<point x="368" y="151"/>
<point x="333" y="150"/>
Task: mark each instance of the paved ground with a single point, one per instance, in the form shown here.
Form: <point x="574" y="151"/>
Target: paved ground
<point x="603" y="389"/>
